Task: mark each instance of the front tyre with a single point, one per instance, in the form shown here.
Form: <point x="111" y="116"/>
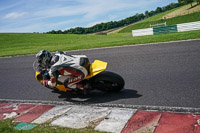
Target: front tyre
<point x="108" y="81"/>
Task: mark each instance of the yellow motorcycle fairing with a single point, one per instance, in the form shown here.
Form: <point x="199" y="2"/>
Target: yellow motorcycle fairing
<point x="95" y="68"/>
<point x="38" y="77"/>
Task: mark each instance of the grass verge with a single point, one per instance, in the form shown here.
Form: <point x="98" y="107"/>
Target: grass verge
<point x="176" y="20"/>
<point x="12" y="44"/>
<point x="183" y="10"/>
<point x="7" y="126"/>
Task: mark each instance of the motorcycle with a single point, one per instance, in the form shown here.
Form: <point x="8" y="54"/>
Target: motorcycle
<point x="98" y="79"/>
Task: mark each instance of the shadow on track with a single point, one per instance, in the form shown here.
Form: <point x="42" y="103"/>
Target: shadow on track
<point x="95" y="97"/>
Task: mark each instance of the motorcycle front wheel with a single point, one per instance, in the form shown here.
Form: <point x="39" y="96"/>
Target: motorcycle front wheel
<point x="108" y="81"/>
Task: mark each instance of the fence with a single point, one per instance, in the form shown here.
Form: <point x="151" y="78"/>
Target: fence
<point x="142" y="32"/>
<point x="167" y="29"/>
<point x="156" y="25"/>
<point x="188" y="26"/>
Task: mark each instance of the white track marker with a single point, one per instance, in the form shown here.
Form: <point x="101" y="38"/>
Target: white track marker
<point x="116" y="120"/>
<point x="54" y="112"/>
<point x="81" y="117"/>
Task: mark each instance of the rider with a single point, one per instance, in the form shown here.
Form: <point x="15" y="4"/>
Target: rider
<point x="64" y="68"/>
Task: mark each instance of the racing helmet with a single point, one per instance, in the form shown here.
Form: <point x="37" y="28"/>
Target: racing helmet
<point x="43" y="58"/>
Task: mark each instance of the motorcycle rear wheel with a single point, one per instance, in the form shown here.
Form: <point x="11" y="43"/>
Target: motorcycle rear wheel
<point x="108" y="81"/>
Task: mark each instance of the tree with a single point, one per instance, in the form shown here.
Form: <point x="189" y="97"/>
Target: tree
<point x="189" y="1"/>
<point x="52" y="32"/>
<point x="114" y="24"/>
<point x="180" y="2"/>
<point x="198" y="1"/>
<point x="151" y="13"/>
<point x="59" y="32"/>
<point x="146" y="14"/>
<point x="158" y="10"/>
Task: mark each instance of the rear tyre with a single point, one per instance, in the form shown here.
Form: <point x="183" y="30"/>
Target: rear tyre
<point x="108" y="81"/>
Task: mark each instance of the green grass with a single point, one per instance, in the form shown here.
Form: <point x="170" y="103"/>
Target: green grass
<point x="174" y="16"/>
<point x="12" y="44"/>
<point x="183" y="10"/>
<point x="6" y="126"/>
<point x="153" y="18"/>
<point x="158" y="16"/>
<point x="176" y="20"/>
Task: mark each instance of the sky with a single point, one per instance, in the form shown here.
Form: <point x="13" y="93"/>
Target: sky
<point x="27" y="16"/>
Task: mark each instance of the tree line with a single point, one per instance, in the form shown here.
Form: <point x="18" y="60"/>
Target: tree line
<point x="114" y="24"/>
<point x="182" y="2"/>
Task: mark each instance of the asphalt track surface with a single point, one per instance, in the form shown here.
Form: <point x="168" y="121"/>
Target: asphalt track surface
<point x="165" y="74"/>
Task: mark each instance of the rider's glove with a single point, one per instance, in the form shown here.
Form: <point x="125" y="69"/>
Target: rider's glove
<point x="46" y="76"/>
<point x="45" y="83"/>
